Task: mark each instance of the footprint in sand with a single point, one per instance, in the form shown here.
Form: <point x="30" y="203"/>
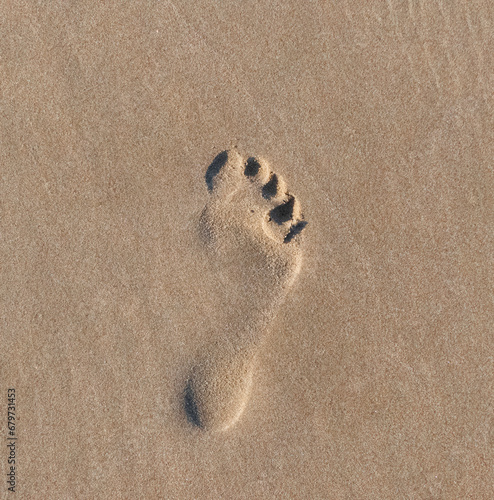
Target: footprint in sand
<point x="250" y="229"/>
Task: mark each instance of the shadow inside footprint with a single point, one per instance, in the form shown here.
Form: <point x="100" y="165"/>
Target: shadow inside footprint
<point x="215" y="168"/>
<point x="283" y="213"/>
<point x="270" y="189"/>
<point x="190" y="406"/>
<point x="252" y="167"/>
<point x="294" y="230"/>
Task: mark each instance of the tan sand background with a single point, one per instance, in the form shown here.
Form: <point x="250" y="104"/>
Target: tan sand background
<point x="376" y="381"/>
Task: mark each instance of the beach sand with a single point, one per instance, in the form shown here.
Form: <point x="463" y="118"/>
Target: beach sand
<point x="247" y="250"/>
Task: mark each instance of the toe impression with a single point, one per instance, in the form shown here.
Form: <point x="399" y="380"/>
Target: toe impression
<point x="286" y="211"/>
<point x="223" y="175"/>
<point x="256" y="169"/>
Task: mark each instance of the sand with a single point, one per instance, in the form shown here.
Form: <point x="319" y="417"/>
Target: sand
<point x="247" y="250"/>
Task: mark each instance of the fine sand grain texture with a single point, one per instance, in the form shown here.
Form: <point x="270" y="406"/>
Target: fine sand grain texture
<point x="247" y="250"/>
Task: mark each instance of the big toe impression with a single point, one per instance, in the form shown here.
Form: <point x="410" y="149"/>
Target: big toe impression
<point x="224" y="173"/>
